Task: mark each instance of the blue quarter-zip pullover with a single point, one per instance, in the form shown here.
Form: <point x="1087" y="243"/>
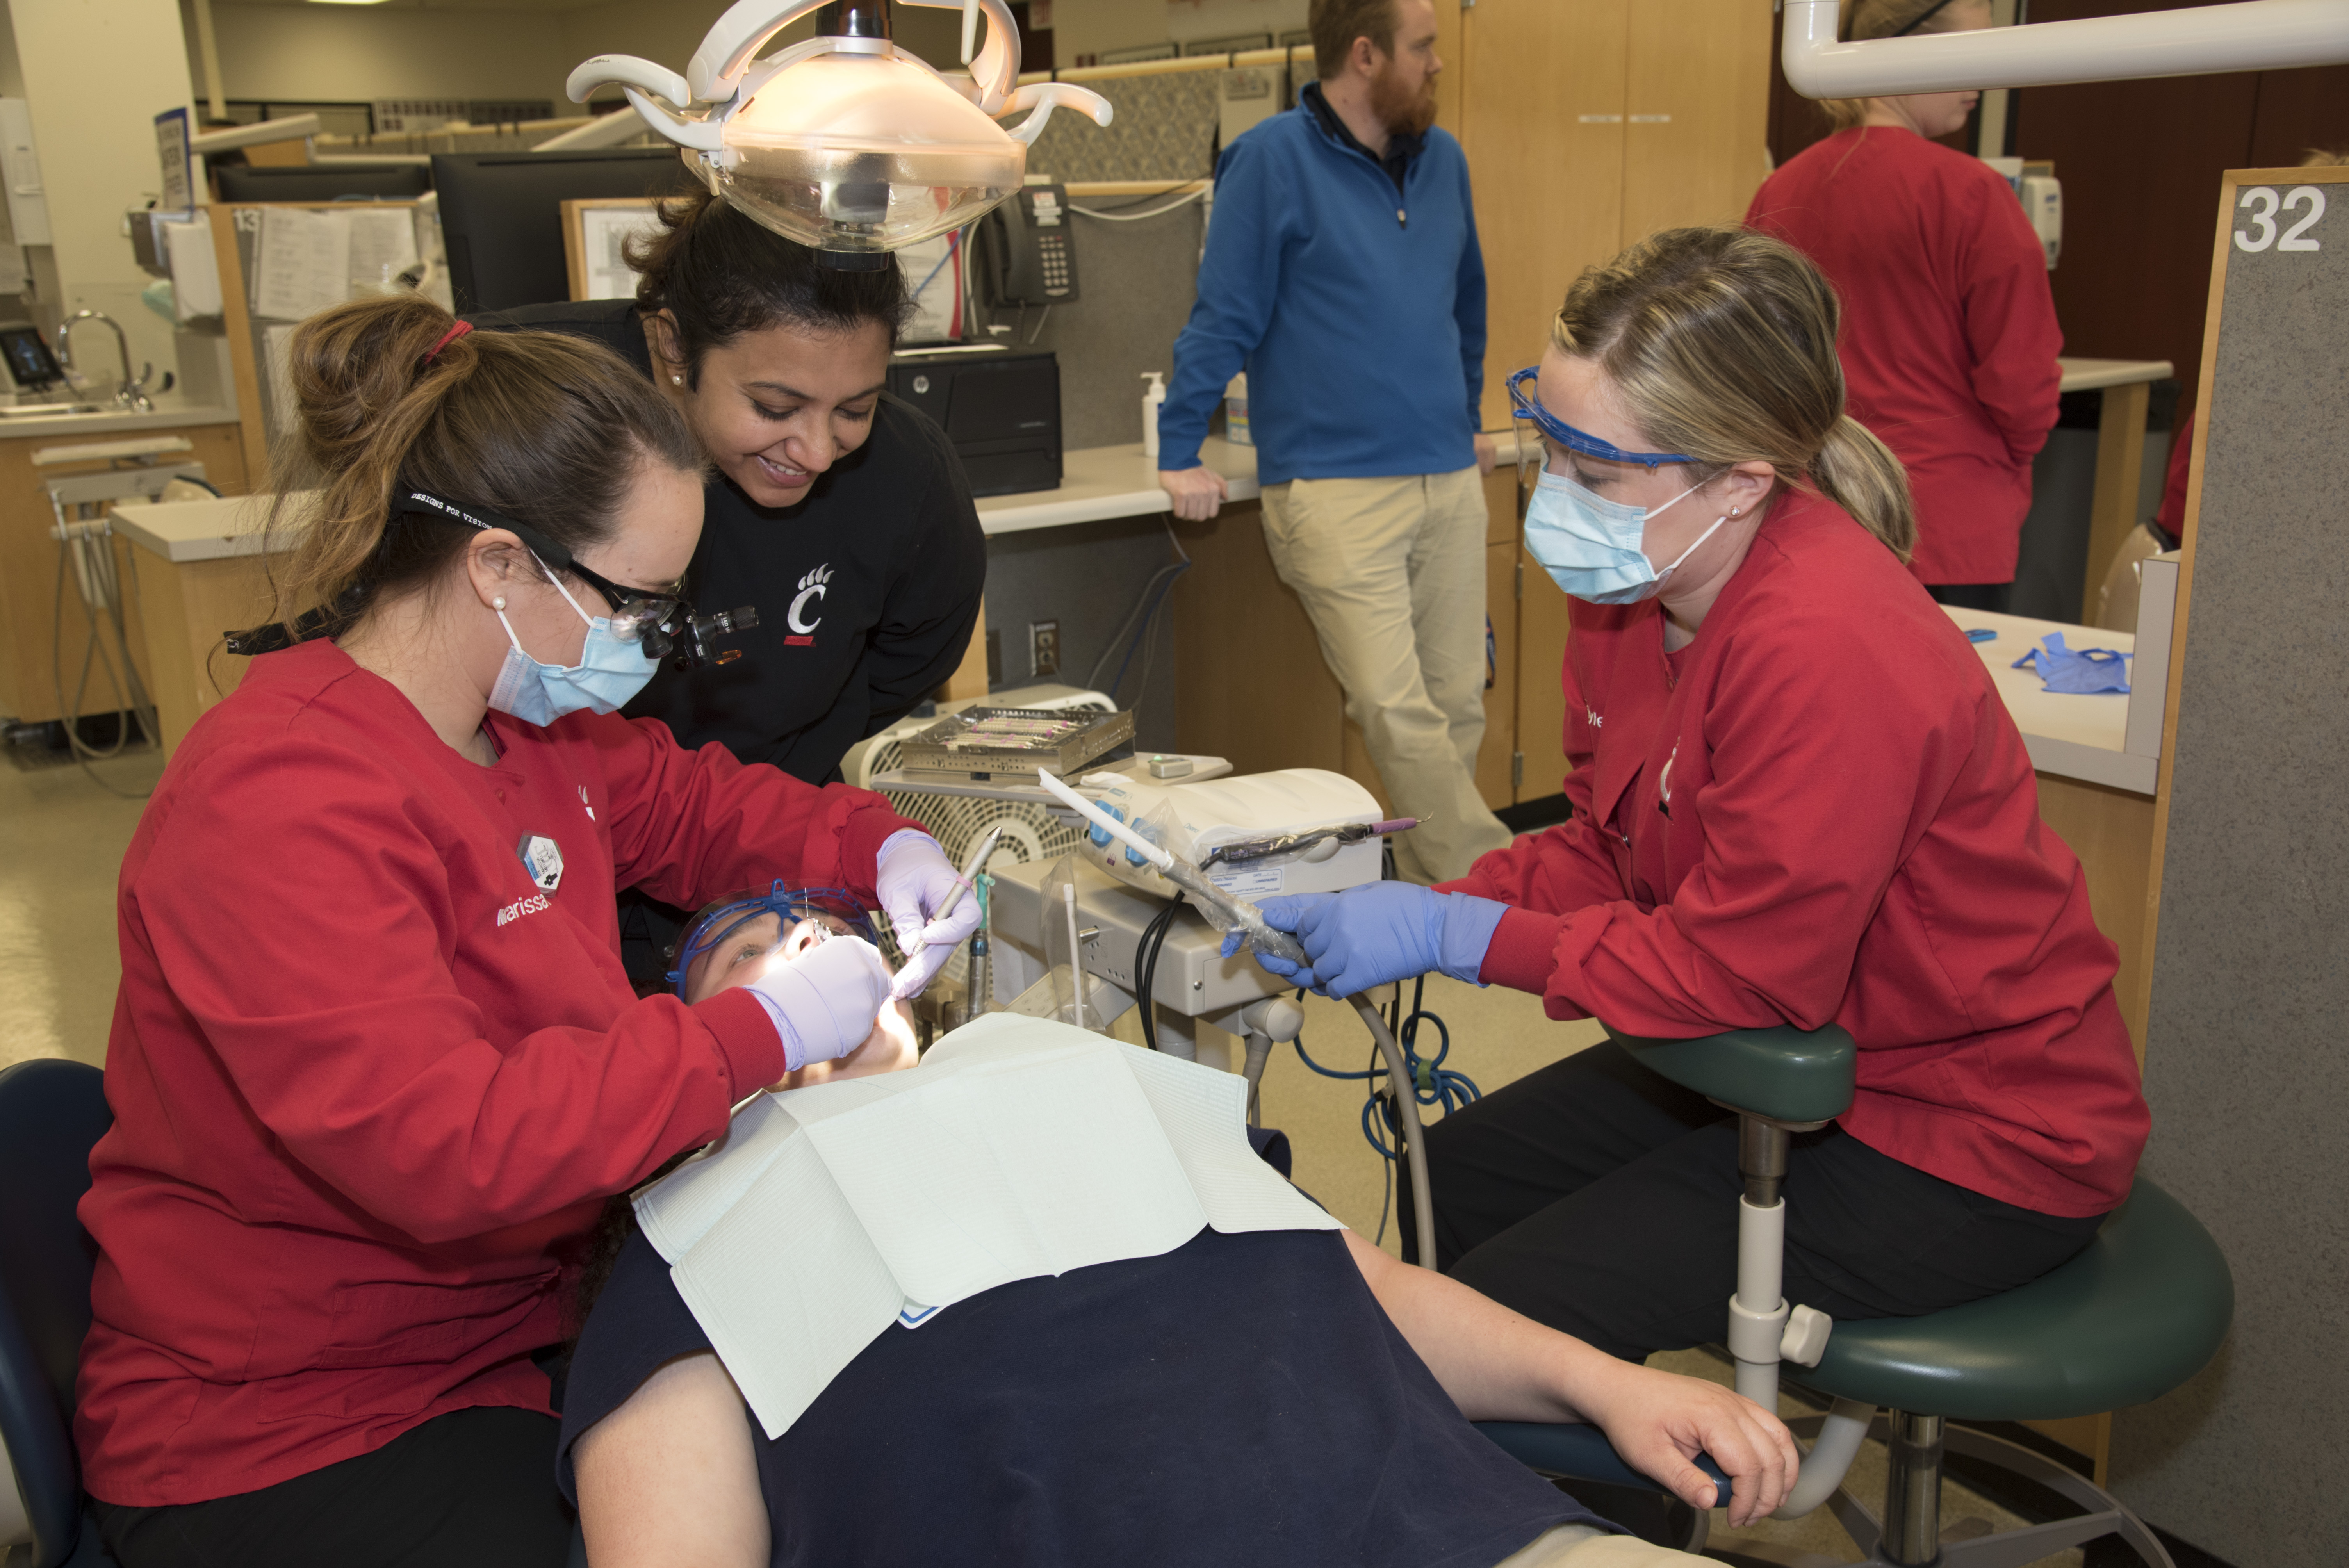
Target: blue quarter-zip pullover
<point x="1358" y="313"/>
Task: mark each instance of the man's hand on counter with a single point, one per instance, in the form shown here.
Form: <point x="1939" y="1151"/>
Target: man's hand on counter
<point x="1196" y="492"/>
<point x="1486" y="454"/>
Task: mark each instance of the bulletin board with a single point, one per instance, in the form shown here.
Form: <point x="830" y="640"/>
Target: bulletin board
<point x="2247" y="1067"/>
<point x="293" y="260"/>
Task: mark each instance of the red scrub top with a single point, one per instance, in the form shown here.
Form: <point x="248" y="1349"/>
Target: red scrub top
<point x="1949" y="328"/>
<point x="371" y="1083"/>
<point x="1819" y="811"/>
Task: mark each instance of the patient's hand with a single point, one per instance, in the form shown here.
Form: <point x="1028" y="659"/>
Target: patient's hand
<point x="890" y="1047"/>
<point x="1659" y="1420"/>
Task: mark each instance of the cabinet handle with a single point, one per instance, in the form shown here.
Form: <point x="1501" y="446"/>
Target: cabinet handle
<point x="1600" y="118"/>
<point x="1652" y="119"/>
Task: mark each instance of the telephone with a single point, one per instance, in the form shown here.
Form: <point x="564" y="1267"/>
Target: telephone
<point x="1029" y="248"/>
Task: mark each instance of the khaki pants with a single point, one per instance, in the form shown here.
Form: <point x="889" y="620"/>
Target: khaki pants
<point x="1579" y="1546"/>
<point x="1392" y="572"/>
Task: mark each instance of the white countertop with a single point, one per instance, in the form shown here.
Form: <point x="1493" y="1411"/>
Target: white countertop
<point x="2070" y="736"/>
<point x="1101" y="482"/>
<point x="198" y="530"/>
<point x="2090" y="375"/>
<point x="106" y="423"/>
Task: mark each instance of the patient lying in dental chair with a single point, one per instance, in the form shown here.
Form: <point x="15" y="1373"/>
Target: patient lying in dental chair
<point x="1284" y="1396"/>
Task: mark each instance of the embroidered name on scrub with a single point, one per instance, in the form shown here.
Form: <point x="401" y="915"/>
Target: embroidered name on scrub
<point x="533" y="904"/>
<point x="542" y="859"/>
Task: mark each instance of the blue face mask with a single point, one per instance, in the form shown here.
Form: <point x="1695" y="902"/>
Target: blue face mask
<point x="611" y="670"/>
<point x="1590" y="546"/>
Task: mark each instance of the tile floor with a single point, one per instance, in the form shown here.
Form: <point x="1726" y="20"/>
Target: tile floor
<point x="61" y="844"/>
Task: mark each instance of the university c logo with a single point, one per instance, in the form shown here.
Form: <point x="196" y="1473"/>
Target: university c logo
<point x="812" y="588"/>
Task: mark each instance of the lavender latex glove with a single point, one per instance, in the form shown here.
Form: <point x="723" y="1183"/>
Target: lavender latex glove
<point x="1377" y="933"/>
<point x="916" y="882"/>
<point x="823" y="1002"/>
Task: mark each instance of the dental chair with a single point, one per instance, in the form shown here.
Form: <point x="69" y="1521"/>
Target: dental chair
<point x="2138" y="1312"/>
<point x="51" y="1113"/>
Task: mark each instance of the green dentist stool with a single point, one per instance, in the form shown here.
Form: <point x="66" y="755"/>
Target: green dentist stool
<point x="2138" y="1312"/>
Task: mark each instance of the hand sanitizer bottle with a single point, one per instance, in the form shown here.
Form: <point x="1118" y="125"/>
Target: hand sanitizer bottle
<point x="1151" y="402"/>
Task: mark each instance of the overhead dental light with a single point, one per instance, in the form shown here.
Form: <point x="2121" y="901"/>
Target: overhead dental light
<point x="845" y="142"/>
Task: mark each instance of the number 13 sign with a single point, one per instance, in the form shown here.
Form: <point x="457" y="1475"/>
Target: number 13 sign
<point x="2262" y="203"/>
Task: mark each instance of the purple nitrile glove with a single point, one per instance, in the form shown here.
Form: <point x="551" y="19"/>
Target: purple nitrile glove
<point x="916" y="881"/>
<point x="824" y="1001"/>
<point x="1377" y="933"/>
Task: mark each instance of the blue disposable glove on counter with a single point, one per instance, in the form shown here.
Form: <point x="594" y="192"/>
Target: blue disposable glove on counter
<point x="916" y="881"/>
<point x="2083" y="672"/>
<point x="825" y="1002"/>
<point x="1377" y="933"/>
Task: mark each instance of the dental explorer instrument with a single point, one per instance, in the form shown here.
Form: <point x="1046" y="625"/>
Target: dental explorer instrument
<point x="971" y="868"/>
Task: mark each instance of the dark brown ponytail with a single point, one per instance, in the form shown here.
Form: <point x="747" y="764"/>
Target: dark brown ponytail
<point x="549" y="430"/>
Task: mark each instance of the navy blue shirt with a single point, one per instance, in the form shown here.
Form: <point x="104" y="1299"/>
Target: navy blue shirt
<point x="1243" y="1398"/>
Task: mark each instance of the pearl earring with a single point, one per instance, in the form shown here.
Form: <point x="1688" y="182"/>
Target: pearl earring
<point x="499" y="603"/>
<point x="676" y="380"/>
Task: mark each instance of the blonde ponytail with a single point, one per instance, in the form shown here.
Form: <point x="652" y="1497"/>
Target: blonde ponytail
<point x="1721" y="343"/>
<point x="1859" y="474"/>
<point x="548" y="430"/>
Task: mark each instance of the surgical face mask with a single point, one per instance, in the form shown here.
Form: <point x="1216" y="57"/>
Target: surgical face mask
<point x="611" y="670"/>
<point x="1590" y="546"/>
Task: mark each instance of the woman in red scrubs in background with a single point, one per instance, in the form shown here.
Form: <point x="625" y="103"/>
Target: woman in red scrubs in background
<point x="375" y="1063"/>
<point x="1949" y="337"/>
<point x="1798" y="800"/>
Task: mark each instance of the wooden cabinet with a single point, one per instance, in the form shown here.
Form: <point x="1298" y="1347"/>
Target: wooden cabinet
<point x="31" y="640"/>
<point x="1588" y="124"/>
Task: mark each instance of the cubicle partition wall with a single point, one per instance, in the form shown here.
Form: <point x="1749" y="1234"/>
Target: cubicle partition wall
<point x="2245" y="1065"/>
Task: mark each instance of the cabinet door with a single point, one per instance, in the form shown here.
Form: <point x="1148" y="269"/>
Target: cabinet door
<point x="1496" y="758"/>
<point x="1698" y="113"/>
<point x="1543" y="127"/>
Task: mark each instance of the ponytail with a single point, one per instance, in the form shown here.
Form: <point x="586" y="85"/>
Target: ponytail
<point x="1859" y="474"/>
<point x="549" y="430"/>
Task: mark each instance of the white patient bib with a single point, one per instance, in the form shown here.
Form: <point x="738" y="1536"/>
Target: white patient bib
<point x="1018" y="1148"/>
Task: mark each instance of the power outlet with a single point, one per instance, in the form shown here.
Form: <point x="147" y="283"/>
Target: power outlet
<point x="1043" y="648"/>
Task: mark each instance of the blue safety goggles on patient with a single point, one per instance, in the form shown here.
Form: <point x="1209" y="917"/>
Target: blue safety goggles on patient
<point x="732" y="928"/>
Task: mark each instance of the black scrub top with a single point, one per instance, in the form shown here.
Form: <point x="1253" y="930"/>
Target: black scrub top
<point x="1241" y="1400"/>
<point x="866" y="589"/>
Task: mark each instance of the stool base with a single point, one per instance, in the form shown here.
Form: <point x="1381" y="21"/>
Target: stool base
<point x="2103" y="1513"/>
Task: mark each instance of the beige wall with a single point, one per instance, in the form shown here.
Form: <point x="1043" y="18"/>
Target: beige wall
<point x="355" y="54"/>
<point x="95" y="74"/>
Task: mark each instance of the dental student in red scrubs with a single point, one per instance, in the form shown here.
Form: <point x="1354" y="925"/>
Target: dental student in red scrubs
<point x="376" y="1064"/>
<point x="1798" y="800"/>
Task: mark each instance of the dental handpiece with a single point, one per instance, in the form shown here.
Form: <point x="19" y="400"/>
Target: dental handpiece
<point x="971" y="866"/>
<point x="1237" y="911"/>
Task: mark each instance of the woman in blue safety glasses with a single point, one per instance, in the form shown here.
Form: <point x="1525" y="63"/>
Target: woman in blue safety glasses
<point x="376" y="1063"/>
<point x="1797" y="798"/>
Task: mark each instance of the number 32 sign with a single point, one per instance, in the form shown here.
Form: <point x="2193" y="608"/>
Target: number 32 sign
<point x="2262" y="203"/>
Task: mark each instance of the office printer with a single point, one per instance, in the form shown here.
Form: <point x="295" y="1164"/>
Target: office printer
<point x="1000" y="407"/>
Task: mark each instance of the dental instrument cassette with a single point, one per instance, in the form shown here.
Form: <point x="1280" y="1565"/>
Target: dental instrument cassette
<point x="1007" y="745"/>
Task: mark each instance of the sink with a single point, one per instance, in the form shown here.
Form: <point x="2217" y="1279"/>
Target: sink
<point x="49" y="410"/>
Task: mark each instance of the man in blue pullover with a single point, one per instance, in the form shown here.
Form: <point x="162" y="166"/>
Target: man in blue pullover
<point x="1342" y="272"/>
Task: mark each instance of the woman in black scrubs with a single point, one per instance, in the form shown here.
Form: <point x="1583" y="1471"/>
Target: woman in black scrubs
<point x="841" y="514"/>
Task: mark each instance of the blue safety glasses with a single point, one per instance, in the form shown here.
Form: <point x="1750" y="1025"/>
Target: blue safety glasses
<point x="834" y="908"/>
<point x="1526" y="406"/>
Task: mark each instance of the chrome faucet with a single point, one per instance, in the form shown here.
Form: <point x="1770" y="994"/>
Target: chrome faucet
<point x="130" y="392"/>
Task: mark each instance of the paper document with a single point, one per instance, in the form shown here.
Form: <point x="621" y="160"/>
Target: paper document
<point x="604" y="233"/>
<point x="301" y="262"/>
<point x="383" y="245"/>
<point x="1018" y="1147"/>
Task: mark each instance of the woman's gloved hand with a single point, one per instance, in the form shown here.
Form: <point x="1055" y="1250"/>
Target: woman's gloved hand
<point x="916" y="881"/>
<point x="1378" y="934"/>
<point x="826" y="1001"/>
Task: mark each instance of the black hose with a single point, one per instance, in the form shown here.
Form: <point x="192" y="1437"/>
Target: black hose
<point x="1154" y="937"/>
